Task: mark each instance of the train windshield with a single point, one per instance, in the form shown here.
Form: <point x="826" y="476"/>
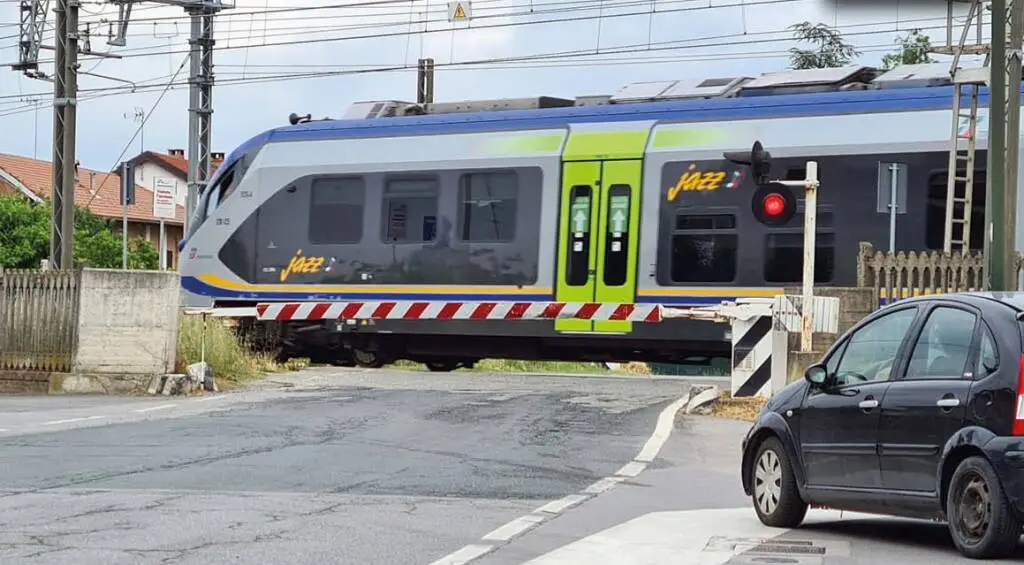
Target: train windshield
<point x="224" y="183"/>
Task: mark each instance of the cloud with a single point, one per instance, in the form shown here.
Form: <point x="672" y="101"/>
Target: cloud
<point x="640" y="41"/>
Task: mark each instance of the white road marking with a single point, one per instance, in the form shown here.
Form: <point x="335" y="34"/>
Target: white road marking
<point x="464" y="555"/>
<point x="155" y="408"/>
<point x="209" y="398"/>
<point x="562" y="504"/>
<point x="72" y="420"/>
<point x="2" y="430"/>
<point x="631" y="469"/>
<point x="603" y="485"/>
<point x="514" y="528"/>
<point x="523" y="524"/>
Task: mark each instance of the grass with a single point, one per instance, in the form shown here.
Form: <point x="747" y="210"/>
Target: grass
<point x="233" y="363"/>
<point x="744" y="409"/>
<point x="545" y="367"/>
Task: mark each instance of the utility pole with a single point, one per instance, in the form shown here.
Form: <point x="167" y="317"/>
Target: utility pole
<point x="1003" y="76"/>
<point x="200" y="107"/>
<point x="425" y="81"/>
<point x="65" y="90"/>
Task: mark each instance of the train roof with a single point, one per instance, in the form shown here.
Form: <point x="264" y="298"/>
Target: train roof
<point x="810" y="92"/>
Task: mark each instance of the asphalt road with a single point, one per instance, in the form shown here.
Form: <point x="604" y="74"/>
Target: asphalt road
<point x="325" y="467"/>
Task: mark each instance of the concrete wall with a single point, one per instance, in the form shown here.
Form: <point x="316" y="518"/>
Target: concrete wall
<point x="854" y="305"/>
<point x="127" y="331"/>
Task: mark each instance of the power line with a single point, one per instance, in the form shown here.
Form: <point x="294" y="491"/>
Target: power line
<point x="550" y="60"/>
<point x="145" y="119"/>
<point x="128" y="53"/>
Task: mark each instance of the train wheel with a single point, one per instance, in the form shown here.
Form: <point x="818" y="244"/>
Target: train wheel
<point x="367" y="359"/>
<point x="442" y="366"/>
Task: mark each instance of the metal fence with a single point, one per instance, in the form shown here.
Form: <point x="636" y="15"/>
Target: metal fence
<point x="38" y="319"/>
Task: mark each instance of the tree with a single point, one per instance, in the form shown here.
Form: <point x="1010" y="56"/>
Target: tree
<point x="830" y="49"/>
<point x="24" y="232"/>
<point x="25" y="238"/>
<point x="914" y="49"/>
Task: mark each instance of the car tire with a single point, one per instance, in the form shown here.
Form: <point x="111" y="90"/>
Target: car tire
<point x="773" y="487"/>
<point x="981" y="520"/>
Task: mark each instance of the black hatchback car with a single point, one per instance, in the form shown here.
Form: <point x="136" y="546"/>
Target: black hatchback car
<point x="917" y="411"/>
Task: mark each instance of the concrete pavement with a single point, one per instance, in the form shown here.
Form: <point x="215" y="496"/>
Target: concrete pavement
<point x="384" y="467"/>
<point x="320" y="467"/>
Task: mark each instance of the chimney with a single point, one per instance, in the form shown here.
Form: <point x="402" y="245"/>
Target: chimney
<point x="176" y="152"/>
<point x="214" y="156"/>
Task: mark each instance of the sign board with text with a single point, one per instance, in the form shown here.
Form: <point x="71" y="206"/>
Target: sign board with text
<point x="163" y="198"/>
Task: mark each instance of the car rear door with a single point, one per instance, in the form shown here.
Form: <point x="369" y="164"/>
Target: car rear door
<point x="926" y="404"/>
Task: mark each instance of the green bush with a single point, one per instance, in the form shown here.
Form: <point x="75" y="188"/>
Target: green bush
<point x="231" y="360"/>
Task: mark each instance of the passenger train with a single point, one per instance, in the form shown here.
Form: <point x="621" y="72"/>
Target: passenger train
<point x="621" y="199"/>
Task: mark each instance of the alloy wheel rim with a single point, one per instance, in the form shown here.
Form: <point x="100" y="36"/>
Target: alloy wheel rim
<point x="768" y="482"/>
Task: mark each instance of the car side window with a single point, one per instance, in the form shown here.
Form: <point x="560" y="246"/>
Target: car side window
<point x="943" y="346"/>
<point x="988" y="355"/>
<point x="871" y="351"/>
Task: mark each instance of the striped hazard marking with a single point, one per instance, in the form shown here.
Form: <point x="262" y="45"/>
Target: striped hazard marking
<point x="409" y="310"/>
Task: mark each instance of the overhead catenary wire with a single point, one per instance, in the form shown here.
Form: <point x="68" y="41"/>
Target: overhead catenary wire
<point x="138" y="130"/>
<point x="491" y="64"/>
<point x="303" y="40"/>
<point x="728" y="40"/>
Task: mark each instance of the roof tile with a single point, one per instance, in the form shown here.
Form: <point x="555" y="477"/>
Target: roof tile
<point x="37" y="176"/>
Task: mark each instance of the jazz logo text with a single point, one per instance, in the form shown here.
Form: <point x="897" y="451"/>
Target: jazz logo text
<point x="300" y="263"/>
<point x="702" y="181"/>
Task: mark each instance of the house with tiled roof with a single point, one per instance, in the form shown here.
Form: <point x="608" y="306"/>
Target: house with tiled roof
<point x="98" y="192"/>
<point x="170" y="167"/>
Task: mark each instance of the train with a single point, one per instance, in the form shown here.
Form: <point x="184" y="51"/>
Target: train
<point x="624" y="199"/>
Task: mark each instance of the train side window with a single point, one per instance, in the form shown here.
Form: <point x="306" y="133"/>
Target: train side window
<point x="784" y="252"/>
<point x="410" y="210"/>
<point x="487" y="206"/>
<point x="704" y="248"/>
<point x="616" y="238"/>
<point x="336" y="210"/>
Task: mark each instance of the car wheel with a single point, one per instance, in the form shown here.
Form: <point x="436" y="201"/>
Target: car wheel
<point x="981" y="521"/>
<point x="776" y="499"/>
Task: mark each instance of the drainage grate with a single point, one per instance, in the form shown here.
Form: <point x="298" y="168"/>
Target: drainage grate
<point x="787" y="548"/>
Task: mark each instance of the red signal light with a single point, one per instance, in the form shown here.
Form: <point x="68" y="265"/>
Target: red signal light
<point x="774" y="204"/>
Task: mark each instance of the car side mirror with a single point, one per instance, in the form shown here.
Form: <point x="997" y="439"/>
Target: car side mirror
<point x="816" y="374"/>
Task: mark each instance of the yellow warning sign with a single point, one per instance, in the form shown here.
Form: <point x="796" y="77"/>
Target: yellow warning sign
<point x="459" y="11"/>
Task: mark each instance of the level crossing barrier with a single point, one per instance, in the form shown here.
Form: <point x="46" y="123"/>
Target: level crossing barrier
<point x="759" y="327"/>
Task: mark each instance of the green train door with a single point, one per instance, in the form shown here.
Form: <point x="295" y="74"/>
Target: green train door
<point x="598" y="237"/>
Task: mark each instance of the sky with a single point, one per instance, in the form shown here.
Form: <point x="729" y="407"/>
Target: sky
<point x="587" y="47"/>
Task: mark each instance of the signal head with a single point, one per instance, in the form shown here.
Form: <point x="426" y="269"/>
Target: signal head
<point x="757" y="159"/>
<point x="773" y="204"/>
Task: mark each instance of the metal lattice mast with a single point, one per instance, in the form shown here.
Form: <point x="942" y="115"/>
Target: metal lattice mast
<point x="200" y="107"/>
<point x="31" y="26"/>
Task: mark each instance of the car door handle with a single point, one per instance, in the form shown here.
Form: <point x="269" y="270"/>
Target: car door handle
<point x="868" y="404"/>
<point x="948" y="402"/>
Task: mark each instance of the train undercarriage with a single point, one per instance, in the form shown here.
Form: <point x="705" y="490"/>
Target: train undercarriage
<point x="323" y="343"/>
